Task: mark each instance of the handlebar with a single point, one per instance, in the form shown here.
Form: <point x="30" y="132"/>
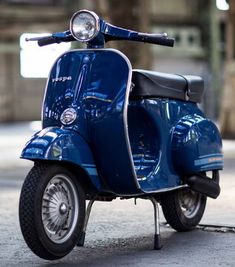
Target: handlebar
<point x="103" y="32"/>
<point x="120" y="34"/>
<point x="112" y="33"/>
<point x="46" y="40"/>
<point x="54" y="38"/>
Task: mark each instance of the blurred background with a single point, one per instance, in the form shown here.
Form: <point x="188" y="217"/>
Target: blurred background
<point x="205" y="45"/>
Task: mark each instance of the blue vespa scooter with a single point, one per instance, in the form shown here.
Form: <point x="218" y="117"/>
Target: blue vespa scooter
<point x="110" y="131"/>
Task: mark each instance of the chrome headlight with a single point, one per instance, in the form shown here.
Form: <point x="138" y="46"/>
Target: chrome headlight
<point x="84" y="25"/>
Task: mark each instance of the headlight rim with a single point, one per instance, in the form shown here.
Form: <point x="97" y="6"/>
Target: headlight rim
<point x="97" y="24"/>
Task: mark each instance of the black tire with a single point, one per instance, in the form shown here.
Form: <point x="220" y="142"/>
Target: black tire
<point x="51" y="228"/>
<point x="183" y="209"/>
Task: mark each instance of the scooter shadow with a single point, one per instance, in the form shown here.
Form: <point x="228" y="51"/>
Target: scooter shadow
<point x="138" y="250"/>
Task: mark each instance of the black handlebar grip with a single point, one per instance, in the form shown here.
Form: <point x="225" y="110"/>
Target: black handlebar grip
<point x="156" y="39"/>
<point x="165" y="41"/>
<point x="47" y="40"/>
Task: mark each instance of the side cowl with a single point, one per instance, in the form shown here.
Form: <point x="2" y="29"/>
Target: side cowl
<point x="196" y="146"/>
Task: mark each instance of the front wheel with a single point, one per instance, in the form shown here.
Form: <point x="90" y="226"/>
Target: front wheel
<point x="183" y="209"/>
<point x="51" y="211"/>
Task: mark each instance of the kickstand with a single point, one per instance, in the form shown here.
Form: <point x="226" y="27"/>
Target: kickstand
<point x="81" y="240"/>
<point x="157" y="235"/>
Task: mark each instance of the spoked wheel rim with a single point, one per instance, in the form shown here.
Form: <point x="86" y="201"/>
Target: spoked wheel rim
<point x="60" y="208"/>
<point x="189" y="202"/>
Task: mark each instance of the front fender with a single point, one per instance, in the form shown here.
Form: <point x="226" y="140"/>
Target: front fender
<point x="58" y="144"/>
<point x="196" y="146"/>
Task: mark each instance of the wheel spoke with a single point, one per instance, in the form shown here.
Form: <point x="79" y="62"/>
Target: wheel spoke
<point x="52" y="196"/>
<point x="49" y="200"/>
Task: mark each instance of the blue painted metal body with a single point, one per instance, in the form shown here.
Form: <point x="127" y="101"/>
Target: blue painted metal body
<point x="127" y="147"/>
<point x="56" y="144"/>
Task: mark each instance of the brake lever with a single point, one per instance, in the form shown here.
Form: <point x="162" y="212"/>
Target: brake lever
<point x="37" y="38"/>
<point x="62" y="36"/>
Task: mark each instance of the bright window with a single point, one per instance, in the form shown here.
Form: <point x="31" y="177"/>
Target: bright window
<point x="222" y="5"/>
<point x="35" y="61"/>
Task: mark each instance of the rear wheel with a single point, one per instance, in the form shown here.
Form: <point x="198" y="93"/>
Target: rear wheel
<point x="183" y="209"/>
<point x="51" y="211"/>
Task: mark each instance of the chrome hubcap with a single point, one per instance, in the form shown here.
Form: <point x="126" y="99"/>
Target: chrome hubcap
<point x="190" y="202"/>
<point x="63" y="209"/>
<point x="59" y="208"/>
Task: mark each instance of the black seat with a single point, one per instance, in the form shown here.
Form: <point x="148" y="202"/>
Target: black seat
<point x="149" y="84"/>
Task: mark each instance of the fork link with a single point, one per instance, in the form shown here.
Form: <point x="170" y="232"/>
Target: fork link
<point x="81" y="239"/>
<point x="157" y="235"/>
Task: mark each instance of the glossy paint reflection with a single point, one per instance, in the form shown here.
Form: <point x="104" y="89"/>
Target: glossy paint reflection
<point x="127" y="146"/>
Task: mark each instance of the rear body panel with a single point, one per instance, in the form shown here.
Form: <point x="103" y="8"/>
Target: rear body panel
<point x="196" y="145"/>
<point x="163" y="150"/>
